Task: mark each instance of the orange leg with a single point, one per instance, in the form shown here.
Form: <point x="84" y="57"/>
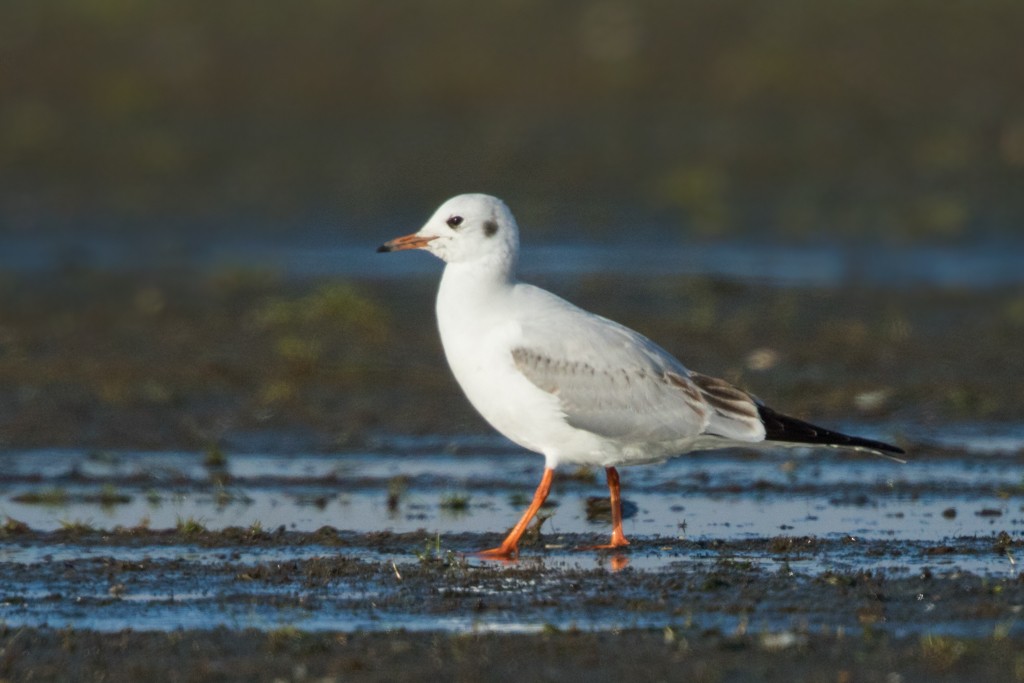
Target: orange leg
<point x="618" y="538"/>
<point x="510" y="546"/>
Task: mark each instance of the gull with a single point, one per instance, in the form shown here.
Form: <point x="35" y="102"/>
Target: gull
<point x="571" y="385"/>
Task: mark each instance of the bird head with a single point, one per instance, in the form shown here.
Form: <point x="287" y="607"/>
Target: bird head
<point x="465" y="228"/>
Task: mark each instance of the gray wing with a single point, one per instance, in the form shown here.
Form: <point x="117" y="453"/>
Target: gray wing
<point x="618" y="384"/>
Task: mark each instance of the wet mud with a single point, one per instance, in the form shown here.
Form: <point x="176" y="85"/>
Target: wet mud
<point x="239" y="479"/>
<point x="670" y="654"/>
<point x="244" y="605"/>
<point x="360" y="565"/>
<point x="164" y="361"/>
<point x="247" y="604"/>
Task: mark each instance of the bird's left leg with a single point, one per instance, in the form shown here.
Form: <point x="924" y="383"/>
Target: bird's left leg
<point x="618" y="538"/>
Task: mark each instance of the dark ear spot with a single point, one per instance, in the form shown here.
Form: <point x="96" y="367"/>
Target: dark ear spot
<point x="490" y="227"/>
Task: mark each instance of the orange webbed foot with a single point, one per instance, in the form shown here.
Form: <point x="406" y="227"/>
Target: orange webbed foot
<point x="500" y="554"/>
<point x="615" y="544"/>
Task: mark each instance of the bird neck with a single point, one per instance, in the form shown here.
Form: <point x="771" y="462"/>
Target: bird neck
<point x="469" y="287"/>
<point x="494" y="270"/>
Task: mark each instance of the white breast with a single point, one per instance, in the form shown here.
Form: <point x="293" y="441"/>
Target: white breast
<point x="479" y="327"/>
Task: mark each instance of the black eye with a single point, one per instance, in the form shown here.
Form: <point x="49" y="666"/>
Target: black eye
<point x="454" y="221"/>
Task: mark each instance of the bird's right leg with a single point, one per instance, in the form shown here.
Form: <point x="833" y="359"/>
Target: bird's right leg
<point x="510" y="546"/>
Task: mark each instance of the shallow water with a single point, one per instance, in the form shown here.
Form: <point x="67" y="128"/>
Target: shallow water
<point x="762" y="516"/>
<point x="979" y="265"/>
<point x="725" y="495"/>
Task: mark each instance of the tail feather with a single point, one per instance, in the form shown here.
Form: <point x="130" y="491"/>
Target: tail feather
<point x="779" y="427"/>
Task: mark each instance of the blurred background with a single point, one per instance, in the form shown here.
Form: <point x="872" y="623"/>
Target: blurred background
<point x="190" y="191"/>
<point x="784" y="120"/>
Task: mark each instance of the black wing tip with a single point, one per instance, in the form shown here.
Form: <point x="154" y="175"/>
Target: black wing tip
<point x="782" y="428"/>
<point x="889" y="448"/>
<point x="880" y="446"/>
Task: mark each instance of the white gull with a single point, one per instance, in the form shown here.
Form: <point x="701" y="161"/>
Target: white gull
<point x="571" y="385"/>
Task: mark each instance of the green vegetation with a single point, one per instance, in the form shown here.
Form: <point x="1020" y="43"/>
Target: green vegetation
<point x="432" y="552"/>
<point x="898" y="119"/>
<point x="397" y="486"/>
<point x="76" y="527"/>
<point x="80" y="363"/>
<point x="941" y="653"/>
<point x="581" y="473"/>
<point x="190" y="527"/>
<point x="13" y="527"/>
<point x="215" y="348"/>
<point x="283" y="636"/>
<point x="224" y="496"/>
<point x="110" y="496"/>
<point x="455" y="502"/>
<point x="215" y="458"/>
<point x="304" y="332"/>
<point x="55" y="497"/>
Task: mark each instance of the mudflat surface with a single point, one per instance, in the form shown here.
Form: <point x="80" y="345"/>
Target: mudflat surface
<point x="757" y="565"/>
<point x="670" y="654"/>
<point x="240" y="358"/>
<point x="233" y="477"/>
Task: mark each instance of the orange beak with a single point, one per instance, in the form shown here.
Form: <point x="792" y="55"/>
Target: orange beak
<point x="408" y="242"/>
